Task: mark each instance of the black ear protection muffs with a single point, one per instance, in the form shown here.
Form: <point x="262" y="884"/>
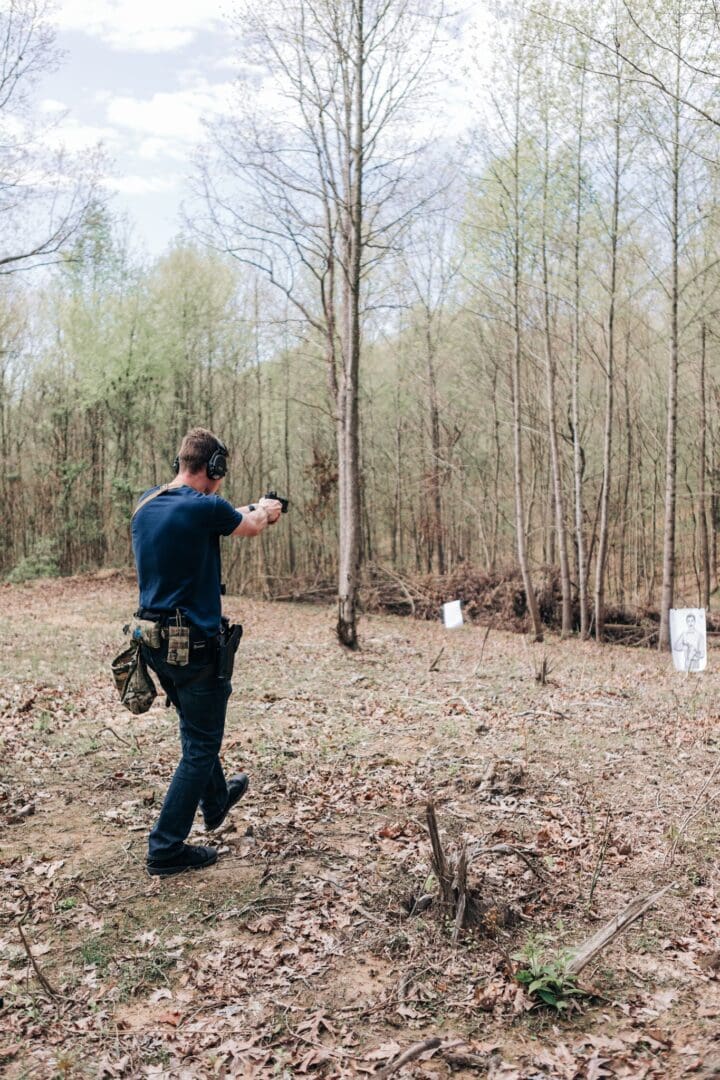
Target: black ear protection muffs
<point x="216" y="467"/>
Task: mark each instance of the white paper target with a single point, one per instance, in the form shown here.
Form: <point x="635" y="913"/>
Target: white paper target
<point x="688" y="638"/>
<point x="452" y="614"/>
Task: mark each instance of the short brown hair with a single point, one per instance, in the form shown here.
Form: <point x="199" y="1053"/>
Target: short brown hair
<point x="196" y="449"/>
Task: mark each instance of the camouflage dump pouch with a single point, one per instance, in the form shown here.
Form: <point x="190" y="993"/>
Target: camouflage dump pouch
<point x="132" y="679"/>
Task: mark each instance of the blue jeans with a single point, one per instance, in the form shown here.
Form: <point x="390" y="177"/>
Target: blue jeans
<point x="200" y="699"/>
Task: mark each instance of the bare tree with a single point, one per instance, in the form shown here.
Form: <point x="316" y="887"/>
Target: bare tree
<point x="679" y="139"/>
<point x="315" y="192"/>
<point x="431" y="267"/>
<point x="615" y="170"/>
<point x="44" y="195"/>
<point x="580" y="62"/>
<point x="558" y="495"/>
<point x="515" y="211"/>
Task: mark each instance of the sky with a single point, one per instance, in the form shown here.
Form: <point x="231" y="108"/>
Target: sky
<point x="139" y="77"/>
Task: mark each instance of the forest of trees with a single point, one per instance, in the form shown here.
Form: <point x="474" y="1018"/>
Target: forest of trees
<point x="496" y="353"/>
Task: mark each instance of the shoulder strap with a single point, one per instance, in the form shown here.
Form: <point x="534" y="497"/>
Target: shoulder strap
<point x="149" y="498"/>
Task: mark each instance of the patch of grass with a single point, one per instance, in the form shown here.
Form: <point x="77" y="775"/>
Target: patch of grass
<point x="42" y="724"/>
<point x="159" y="1055"/>
<point x="144" y="973"/>
<point x="96" y="952"/>
<point x="448" y="729"/>
<point x="646" y="942"/>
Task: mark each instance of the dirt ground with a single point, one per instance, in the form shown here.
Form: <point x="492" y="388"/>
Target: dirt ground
<point x="296" y="954"/>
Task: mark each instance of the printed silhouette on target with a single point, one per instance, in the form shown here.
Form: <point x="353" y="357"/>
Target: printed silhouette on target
<point x="688" y="639"/>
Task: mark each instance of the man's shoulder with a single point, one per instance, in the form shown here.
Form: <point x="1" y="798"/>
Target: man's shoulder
<point x="220" y="502"/>
<point x="147" y="497"/>
<point x="225" y="516"/>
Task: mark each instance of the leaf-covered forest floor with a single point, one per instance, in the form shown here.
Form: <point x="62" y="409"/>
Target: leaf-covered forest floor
<point x="296" y="955"/>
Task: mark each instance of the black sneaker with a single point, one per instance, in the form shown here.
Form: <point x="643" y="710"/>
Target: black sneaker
<point x="236" y="789"/>
<point x="190" y="858"/>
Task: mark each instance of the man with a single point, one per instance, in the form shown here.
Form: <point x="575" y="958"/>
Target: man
<point x="176" y="532"/>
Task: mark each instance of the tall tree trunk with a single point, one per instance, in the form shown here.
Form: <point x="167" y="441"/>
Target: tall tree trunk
<point x="703" y="539"/>
<point x="348" y="412"/>
<point x="261" y="547"/>
<point x="603" y="538"/>
<point x="532" y="603"/>
<point x="435" y="478"/>
<point x="714" y="513"/>
<point x="550" y="379"/>
<point x="578" y="461"/>
<point x="496" y="474"/>
<point x="287" y="457"/>
<point x="625" y="503"/>
<point x="668" y="582"/>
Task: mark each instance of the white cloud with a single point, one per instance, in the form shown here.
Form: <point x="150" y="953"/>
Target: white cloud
<point x="50" y="106"/>
<point x="154" y="149"/>
<point x="77" y="137"/>
<point x="140" y="185"/>
<point x="142" y="25"/>
<point x="175" y="116"/>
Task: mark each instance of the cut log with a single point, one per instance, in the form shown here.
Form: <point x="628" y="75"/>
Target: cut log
<point x="612" y="929"/>
<point x="410" y="1054"/>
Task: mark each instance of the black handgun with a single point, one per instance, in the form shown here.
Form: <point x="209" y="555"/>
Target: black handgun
<point x="285" y="503"/>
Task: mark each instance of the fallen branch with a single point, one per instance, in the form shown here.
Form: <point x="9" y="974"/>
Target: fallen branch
<point x="20" y="815"/>
<point x="45" y="984"/>
<point x="413" y="1052"/>
<point x="119" y="737"/>
<point x="612" y="929"/>
<point x="436" y="661"/>
<point x="404" y="587"/>
<point x="463" y="1060"/>
<point x="421" y="904"/>
<point x="482" y="650"/>
<point x="526" y="854"/>
<point x="463" y="701"/>
<point x="601" y="857"/>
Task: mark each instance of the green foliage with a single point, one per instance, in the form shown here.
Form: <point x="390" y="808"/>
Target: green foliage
<point x="40" y="563"/>
<point x="95" y="952"/>
<point x="545" y="976"/>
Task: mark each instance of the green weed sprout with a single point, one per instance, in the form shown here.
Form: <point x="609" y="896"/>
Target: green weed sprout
<point x="546" y="977"/>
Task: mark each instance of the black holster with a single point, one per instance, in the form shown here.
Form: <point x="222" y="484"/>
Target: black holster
<point x="228" y="642"/>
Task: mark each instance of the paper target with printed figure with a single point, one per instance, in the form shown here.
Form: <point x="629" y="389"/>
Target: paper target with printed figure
<point x="688" y="637"/>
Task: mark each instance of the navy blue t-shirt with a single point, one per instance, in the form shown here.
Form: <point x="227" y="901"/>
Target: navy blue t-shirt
<point x="176" y="542"/>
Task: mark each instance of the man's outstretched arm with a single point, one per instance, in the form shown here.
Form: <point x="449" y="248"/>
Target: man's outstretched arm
<point x="264" y="513"/>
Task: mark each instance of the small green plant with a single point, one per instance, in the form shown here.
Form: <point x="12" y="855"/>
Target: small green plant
<point x="546" y="978"/>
